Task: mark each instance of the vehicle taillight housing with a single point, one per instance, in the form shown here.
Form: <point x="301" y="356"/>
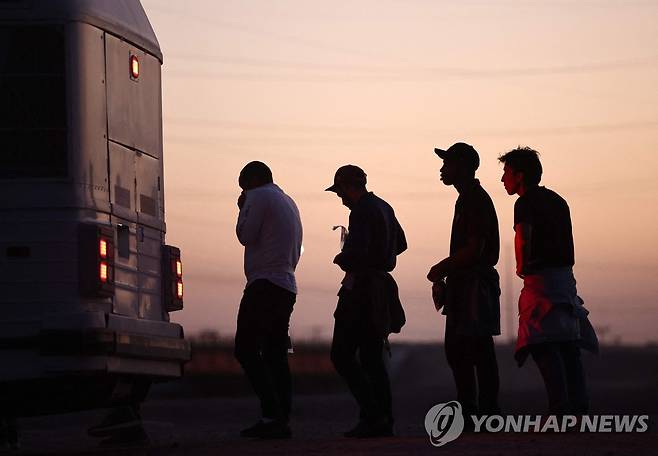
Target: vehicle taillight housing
<point x="134" y="67"/>
<point x="96" y="260"/>
<point x="172" y="278"/>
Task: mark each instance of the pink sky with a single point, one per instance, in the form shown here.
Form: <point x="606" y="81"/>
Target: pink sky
<point x="307" y="86"/>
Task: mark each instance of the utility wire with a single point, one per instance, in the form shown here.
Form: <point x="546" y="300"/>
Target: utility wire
<point x="391" y="71"/>
<point x="384" y="134"/>
<point x="406" y="69"/>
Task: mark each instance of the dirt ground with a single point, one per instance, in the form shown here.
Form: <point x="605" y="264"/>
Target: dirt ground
<point x="622" y="381"/>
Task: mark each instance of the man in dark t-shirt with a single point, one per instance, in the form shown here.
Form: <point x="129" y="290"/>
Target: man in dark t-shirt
<point x="553" y="323"/>
<point x="551" y="244"/>
<point x="472" y="291"/>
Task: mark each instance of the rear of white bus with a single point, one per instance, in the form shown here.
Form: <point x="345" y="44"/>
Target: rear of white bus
<point x="86" y="280"/>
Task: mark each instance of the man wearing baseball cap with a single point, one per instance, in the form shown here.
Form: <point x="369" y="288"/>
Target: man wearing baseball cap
<point x="470" y="285"/>
<point x="369" y="307"/>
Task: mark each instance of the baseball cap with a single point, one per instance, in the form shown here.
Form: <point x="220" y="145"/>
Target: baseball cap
<point x="348" y="174"/>
<point x="462" y="152"/>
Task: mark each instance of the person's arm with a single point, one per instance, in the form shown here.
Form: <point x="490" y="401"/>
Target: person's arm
<point x="465" y="257"/>
<point x="475" y="223"/>
<point x="522" y="242"/>
<point x="523" y="220"/>
<point x="250" y="219"/>
<point x="354" y="254"/>
<point x="401" y="238"/>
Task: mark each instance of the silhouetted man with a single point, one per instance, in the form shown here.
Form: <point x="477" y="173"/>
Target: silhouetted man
<point x="472" y="291"/>
<point x="369" y="306"/>
<point x="553" y="323"/>
<point x="270" y="228"/>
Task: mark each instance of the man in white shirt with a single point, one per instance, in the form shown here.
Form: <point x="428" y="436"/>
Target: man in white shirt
<point x="270" y="228"/>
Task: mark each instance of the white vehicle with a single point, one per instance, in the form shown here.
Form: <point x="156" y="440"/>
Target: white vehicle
<point x="86" y="280"/>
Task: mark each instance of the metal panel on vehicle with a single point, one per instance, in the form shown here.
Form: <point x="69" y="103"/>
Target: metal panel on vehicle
<point x="25" y="364"/>
<point x="122" y="182"/>
<point x="126" y="300"/>
<point x="150" y="275"/>
<point x="126" y="274"/>
<point x="46" y="269"/>
<point x="88" y="112"/>
<point x="150" y="205"/>
<point x="134" y="104"/>
<point x="147" y="327"/>
<point x="144" y="367"/>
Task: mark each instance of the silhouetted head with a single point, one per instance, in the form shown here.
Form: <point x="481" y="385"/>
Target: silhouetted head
<point x="254" y="174"/>
<point x="522" y="170"/>
<point x="459" y="163"/>
<point x="349" y="184"/>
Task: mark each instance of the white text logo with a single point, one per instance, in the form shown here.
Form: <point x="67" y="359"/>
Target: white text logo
<point x="444" y="423"/>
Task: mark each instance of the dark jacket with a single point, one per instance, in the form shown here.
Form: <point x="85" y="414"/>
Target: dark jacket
<point x="375" y="239"/>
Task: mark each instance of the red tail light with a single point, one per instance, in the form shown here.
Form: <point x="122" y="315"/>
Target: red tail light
<point x="102" y="273"/>
<point x="172" y="278"/>
<point x="102" y="248"/>
<point x="134" y="66"/>
<point x="96" y="260"/>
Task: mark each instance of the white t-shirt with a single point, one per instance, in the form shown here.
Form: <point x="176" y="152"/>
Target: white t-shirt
<point x="270" y="228"/>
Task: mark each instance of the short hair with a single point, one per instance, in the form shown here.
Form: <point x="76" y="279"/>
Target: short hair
<point x="524" y="160"/>
<point x="256" y="170"/>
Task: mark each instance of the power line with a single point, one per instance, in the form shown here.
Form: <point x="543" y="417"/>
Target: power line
<point x="248" y="30"/>
<point x="385" y="133"/>
<point x="396" y="72"/>
<point x="383" y="71"/>
<point x="388" y="73"/>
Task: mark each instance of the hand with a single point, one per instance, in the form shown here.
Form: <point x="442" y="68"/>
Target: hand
<point x="337" y="260"/>
<point x="438" y="294"/>
<point x="241" y="199"/>
<point x="435" y="273"/>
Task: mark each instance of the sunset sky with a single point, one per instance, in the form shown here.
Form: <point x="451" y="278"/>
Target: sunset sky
<point x="307" y="86"/>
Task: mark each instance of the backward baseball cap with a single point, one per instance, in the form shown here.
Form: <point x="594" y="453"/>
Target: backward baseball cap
<point x="348" y="174"/>
<point x="462" y="153"/>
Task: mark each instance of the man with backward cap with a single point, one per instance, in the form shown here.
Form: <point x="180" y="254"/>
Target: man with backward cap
<point x="369" y="306"/>
<point x="466" y="285"/>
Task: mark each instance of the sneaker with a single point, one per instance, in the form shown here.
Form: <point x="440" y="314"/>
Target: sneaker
<point x="252" y="431"/>
<point x="118" y="420"/>
<point x="366" y="429"/>
<point x="127" y="438"/>
<point x="269" y="430"/>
